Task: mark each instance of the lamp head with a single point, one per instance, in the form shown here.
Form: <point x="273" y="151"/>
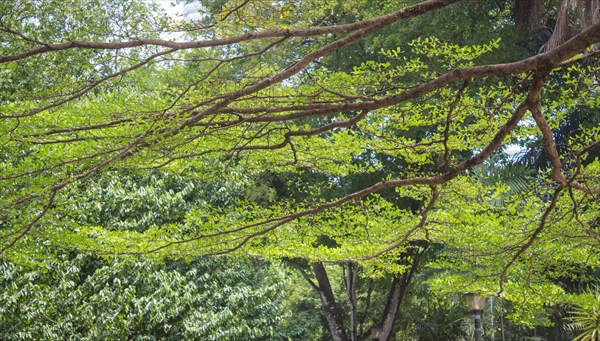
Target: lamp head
<point x="376" y="331"/>
<point x="475" y="302"/>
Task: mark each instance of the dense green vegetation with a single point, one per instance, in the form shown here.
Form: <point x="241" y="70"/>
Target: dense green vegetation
<point x="90" y="298"/>
<point x="302" y="169"/>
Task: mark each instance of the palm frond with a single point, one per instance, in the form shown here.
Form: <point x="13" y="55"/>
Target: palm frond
<point x="586" y="320"/>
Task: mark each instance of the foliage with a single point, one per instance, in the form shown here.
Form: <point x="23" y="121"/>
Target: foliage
<point x="383" y="144"/>
<point x="585" y="319"/>
<point x="427" y="316"/>
<point x="92" y="299"/>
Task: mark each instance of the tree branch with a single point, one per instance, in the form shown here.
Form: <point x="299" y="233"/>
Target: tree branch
<point x="381" y="21"/>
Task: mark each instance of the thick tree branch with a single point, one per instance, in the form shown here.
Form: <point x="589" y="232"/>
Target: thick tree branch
<point x="542" y="62"/>
<point x="381" y="21"/>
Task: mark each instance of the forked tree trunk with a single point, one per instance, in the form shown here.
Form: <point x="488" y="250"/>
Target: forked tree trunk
<point x="333" y="313"/>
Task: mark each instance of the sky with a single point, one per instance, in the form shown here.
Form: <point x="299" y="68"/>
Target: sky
<point x="173" y="11"/>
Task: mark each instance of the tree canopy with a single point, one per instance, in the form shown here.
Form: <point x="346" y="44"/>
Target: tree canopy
<point x="328" y="131"/>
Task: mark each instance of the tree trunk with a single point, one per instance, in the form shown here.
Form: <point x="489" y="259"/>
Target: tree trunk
<point x="590" y="15"/>
<point x="529" y="16"/>
<point x="331" y="310"/>
<point x="590" y="12"/>
<point x="351" y="277"/>
<point x="560" y="34"/>
<point x="396" y="296"/>
<point x="393" y="305"/>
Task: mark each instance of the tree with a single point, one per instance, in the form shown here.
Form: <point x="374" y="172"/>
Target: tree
<point x="89" y="298"/>
<point x="364" y="302"/>
<point x="248" y="92"/>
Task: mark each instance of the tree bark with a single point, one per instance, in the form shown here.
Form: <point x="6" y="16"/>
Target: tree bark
<point x="529" y="16"/>
<point x="351" y="277"/>
<point x="590" y="15"/>
<point x="560" y="34"/>
<point x="331" y="310"/>
<point x="396" y="296"/>
<point x="590" y="12"/>
<point x="393" y="305"/>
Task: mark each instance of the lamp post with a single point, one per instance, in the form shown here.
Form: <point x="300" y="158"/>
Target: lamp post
<point x="476" y="304"/>
<point x="377" y="332"/>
